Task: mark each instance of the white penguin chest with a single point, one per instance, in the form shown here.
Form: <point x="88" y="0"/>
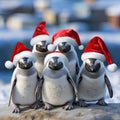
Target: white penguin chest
<point x="57" y="91"/>
<point x="39" y="65"/>
<point x="24" y="89"/>
<point x="92" y="89"/>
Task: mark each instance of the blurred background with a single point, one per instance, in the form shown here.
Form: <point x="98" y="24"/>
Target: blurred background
<point x="18" y="19"/>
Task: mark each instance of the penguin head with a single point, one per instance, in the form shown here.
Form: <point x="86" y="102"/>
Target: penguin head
<point x="64" y="47"/>
<point x="92" y="65"/>
<point x="41" y="46"/>
<point x="55" y="63"/>
<point x="25" y="63"/>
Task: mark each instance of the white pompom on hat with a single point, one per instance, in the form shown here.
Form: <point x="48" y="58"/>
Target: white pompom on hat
<point x="40" y="34"/>
<point x="51" y="47"/>
<point x="66" y="35"/>
<point x="20" y="51"/>
<point x="97" y="49"/>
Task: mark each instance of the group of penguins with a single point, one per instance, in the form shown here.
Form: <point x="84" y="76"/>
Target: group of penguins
<point x="51" y="72"/>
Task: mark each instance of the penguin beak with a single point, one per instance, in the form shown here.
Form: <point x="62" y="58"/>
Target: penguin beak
<point x="55" y="64"/>
<point x="25" y="61"/>
<point x="55" y="61"/>
<point x="64" y="47"/>
<point x="92" y="67"/>
<point x="42" y="46"/>
<point x="25" y="65"/>
<point x="92" y="64"/>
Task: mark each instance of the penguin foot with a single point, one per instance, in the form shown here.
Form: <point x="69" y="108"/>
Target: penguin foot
<point x="36" y="105"/>
<point x="101" y="102"/>
<point x="48" y="106"/>
<point x="17" y="110"/>
<point x="82" y="103"/>
<point x="69" y="106"/>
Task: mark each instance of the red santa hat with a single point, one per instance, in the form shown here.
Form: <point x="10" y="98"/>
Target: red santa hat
<point x="56" y="54"/>
<point x="20" y="51"/>
<point x="66" y="35"/>
<point x="40" y="34"/>
<point x="97" y="49"/>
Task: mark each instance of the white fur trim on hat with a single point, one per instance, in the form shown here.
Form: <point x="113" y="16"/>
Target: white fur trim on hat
<point x="93" y="55"/>
<point x="39" y="38"/>
<point x="51" y="47"/>
<point x="56" y="54"/>
<point x="23" y="54"/>
<point x="9" y="64"/>
<point x="112" y="67"/>
<point x="65" y="39"/>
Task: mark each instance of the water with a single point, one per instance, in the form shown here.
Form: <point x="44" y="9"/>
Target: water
<point x="114" y="79"/>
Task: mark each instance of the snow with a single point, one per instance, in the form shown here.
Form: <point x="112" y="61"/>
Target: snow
<point x="4" y="92"/>
<point x="115" y="82"/>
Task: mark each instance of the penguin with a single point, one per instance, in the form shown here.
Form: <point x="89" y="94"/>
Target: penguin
<point x="73" y="62"/>
<point x="93" y="77"/>
<point x="40" y="40"/>
<point x="92" y="83"/>
<point x="40" y="51"/>
<point x="68" y="42"/>
<point x="24" y="83"/>
<point x="24" y="79"/>
<point x="58" y="88"/>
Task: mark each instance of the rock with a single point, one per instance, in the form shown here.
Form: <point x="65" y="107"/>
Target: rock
<point x="92" y="112"/>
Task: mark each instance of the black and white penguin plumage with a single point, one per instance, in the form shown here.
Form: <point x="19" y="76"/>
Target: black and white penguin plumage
<point x="24" y="78"/>
<point x="40" y="41"/>
<point x="58" y="88"/>
<point x="92" y="83"/>
<point x="40" y="51"/>
<point x="93" y="78"/>
<point x="67" y="41"/>
<point x="24" y="84"/>
<point x="73" y="62"/>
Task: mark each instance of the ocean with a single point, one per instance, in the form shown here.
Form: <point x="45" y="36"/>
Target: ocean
<point x="114" y="78"/>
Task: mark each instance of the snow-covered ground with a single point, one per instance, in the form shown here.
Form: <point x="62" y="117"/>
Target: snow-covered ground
<point x="114" y="79"/>
<point x="115" y="82"/>
<point x="4" y="93"/>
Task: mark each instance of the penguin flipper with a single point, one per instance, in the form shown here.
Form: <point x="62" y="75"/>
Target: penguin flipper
<point x="39" y="88"/>
<point x="79" y="80"/>
<point x="109" y="86"/>
<point x="11" y="92"/>
<point x="69" y="78"/>
<point x="77" y="69"/>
